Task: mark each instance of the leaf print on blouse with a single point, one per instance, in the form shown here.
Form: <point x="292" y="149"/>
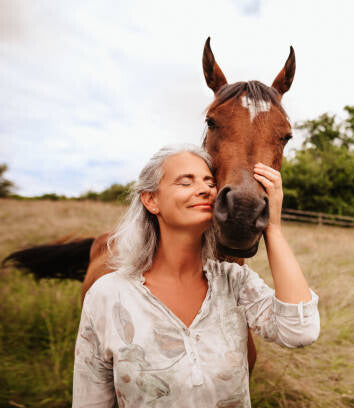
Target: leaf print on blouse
<point x="153" y="386"/>
<point x="234" y="401"/>
<point x="90" y="336"/>
<point x="235" y="358"/>
<point x="233" y="365"/>
<point x="132" y="362"/>
<point x="98" y="370"/>
<point x="262" y="326"/>
<point x="254" y="292"/>
<point x="133" y="353"/>
<point x="132" y="358"/>
<point x="123" y="323"/>
<point x="169" y="346"/>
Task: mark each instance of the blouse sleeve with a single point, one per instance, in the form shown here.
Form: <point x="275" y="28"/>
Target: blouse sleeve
<point x="291" y="325"/>
<point x="93" y="376"/>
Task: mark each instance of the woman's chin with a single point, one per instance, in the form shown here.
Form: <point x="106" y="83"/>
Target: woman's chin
<point x="204" y="222"/>
<point x="201" y="223"/>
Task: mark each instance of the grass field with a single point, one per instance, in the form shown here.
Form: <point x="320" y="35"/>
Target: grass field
<point x="39" y="321"/>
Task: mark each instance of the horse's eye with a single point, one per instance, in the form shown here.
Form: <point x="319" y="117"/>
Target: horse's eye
<point x="211" y="123"/>
<point x="287" y="137"/>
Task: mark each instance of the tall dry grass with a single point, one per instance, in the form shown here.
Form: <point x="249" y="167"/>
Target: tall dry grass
<point x="39" y="320"/>
<point x="321" y="375"/>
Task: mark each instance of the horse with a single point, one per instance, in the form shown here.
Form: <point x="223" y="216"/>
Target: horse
<point x="246" y="124"/>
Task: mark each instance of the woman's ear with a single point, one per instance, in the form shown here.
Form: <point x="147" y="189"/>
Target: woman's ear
<point x="149" y="201"/>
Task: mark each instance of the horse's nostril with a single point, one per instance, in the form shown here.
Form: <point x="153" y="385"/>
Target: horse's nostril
<point x="222" y="201"/>
<point x="221" y="205"/>
<point x="223" y="195"/>
<point x="262" y="219"/>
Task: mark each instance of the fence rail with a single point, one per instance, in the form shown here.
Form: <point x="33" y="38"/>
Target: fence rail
<point x="317" y="218"/>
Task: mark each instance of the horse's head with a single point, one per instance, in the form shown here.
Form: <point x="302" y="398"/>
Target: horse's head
<point x="246" y="125"/>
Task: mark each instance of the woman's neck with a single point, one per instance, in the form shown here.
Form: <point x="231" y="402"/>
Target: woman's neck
<point x="178" y="256"/>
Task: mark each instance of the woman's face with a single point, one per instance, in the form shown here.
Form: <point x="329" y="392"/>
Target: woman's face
<point x="186" y="194"/>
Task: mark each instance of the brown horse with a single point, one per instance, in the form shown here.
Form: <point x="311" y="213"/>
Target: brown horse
<point x="246" y="124"/>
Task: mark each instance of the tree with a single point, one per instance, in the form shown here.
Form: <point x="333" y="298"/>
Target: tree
<point x="6" y="186"/>
<point x="321" y="175"/>
<point x="326" y="131"/>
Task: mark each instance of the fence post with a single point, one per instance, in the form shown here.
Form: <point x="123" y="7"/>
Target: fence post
<point x="320" y="220"/>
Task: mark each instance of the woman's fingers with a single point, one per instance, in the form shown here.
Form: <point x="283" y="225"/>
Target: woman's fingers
<point x="264" y="166"/>
<point x="269" y="185"/>
<point x="268" y="173"/>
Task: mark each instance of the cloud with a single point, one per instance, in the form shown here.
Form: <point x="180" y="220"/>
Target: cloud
<point x="249" y="7"/>
<point x="91" y="89"/>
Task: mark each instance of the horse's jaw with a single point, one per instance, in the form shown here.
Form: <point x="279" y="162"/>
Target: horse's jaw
<point x="236" y="241"/>
<point x="236" y="252"/>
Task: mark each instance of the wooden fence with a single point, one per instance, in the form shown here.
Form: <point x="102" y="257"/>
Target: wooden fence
<point x="317" y="218"/>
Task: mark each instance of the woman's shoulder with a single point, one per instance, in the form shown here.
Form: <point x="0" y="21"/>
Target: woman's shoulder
<point x="105" y="287"/>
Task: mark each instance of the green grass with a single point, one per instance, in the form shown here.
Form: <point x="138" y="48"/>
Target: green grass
<point x="39" y="320"/>
<point x="38" y="330"/>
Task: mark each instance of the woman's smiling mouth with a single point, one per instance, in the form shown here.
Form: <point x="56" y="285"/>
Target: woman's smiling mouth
<point x="203" y="205"/>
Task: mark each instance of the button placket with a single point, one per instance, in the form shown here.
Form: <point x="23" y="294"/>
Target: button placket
<point x="197" y="375"/>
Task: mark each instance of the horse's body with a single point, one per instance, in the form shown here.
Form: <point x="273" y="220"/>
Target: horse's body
<point x="246" y="124"/>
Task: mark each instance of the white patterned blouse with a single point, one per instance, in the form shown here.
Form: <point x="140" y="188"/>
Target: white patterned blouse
<point x="131" y="350"/>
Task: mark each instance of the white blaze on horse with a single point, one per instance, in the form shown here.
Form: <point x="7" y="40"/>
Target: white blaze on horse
<point x="246" y="124"/>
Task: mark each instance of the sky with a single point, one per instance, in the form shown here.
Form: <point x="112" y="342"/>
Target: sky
<point x="91" y="89"/>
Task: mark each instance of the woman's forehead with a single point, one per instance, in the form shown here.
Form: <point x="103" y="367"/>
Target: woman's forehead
<point x="185" y="163"/>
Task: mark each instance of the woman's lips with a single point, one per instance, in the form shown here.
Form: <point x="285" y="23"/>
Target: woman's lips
<point x="205" y="205"/>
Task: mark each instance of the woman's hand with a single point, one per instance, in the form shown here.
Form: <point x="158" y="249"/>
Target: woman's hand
<point x="271" y="180"/>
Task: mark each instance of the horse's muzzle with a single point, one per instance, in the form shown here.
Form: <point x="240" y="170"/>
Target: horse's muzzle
<point x="240" y="217"/>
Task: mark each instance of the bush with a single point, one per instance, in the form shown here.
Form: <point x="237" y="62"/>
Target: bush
<point x="116" y="192"/>
<point x="320" y="177"/>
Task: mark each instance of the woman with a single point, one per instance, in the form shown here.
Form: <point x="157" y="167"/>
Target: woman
<point x="168" y="328"/>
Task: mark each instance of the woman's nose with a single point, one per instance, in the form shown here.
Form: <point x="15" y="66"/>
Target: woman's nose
<point x="204" y="189"/>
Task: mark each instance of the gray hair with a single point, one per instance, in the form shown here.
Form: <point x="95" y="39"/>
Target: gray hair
<point x="134" y="242"/>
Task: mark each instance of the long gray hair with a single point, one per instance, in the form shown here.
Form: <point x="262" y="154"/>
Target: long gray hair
<point x="134" y="242"/>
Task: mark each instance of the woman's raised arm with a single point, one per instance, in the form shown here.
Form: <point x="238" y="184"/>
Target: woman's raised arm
<point x="289" y="282"/>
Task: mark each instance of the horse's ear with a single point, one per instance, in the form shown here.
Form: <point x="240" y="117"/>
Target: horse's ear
<point x="283" y="81"/>
<point x="213" y="75"/>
